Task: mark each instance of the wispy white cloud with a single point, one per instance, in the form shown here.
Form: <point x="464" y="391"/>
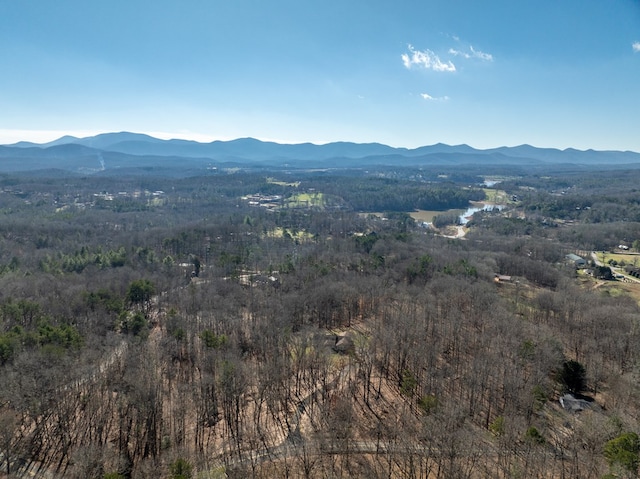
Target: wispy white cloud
<point x="459" y="53"/>
<point x="636" y="47"/>
<point x="472" y="53"/>
<point x="426" y="59"/>
<point x="481" y="55"/>
<point x="428" y="97"/>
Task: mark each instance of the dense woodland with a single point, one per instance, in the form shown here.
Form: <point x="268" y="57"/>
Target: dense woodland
<point x="161" y="327"/>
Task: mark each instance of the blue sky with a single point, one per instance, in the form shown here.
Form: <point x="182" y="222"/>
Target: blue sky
<point x="405" y="73"/>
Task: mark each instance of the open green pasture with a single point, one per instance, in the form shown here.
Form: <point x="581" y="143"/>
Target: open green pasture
<point x="302" y="200"/>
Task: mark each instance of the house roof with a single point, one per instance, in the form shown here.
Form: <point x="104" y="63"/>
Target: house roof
<point x="502" y="277"/>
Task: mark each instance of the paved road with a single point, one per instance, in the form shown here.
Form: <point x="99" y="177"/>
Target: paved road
<point x="615" y="270"/>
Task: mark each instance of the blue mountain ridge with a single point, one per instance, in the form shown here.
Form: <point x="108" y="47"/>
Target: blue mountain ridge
<point x="129" y="148"/>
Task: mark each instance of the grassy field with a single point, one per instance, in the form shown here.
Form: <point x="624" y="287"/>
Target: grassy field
<point x="302" y="200"/>
<point x="427" y="215"/>
<point x="631" y="289"/>
<point x="620" y="288"/>
<point x="297" y="235"/>
<point x="156" y="202"/>
<point x="499" y="197"/>
<point x="620" y="258"/>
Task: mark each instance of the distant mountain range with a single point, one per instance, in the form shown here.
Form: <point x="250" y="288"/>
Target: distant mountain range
<point x="110" y="151"/>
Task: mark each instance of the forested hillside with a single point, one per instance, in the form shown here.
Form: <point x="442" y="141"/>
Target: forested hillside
<point x="269" y="325"/>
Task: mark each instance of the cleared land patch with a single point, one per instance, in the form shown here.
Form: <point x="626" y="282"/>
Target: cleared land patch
<point x="273" y="181"/>
<point x="299" y="235"/>
<point x="306" y="200"/>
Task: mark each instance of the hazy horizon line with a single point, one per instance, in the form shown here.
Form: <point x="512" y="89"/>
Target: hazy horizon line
<point x="9" y="137"/>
